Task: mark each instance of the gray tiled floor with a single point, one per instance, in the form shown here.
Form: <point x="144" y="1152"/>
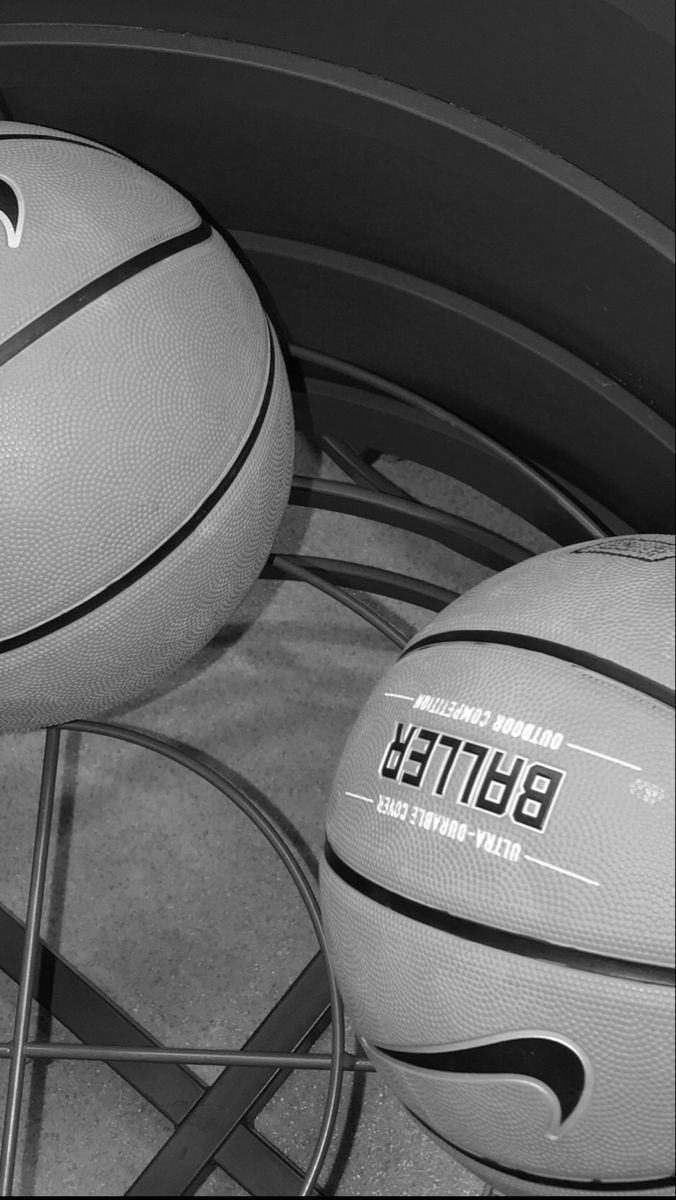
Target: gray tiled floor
<point x="172" y="903"/>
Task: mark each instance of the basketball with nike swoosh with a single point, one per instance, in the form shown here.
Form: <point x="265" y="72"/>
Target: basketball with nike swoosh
<point x="146" y="432"/>
<point x="497" y="880"/>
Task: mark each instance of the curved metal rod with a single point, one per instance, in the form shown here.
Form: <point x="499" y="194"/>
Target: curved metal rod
<point x="588" y="524"/>
<point x="465" y="537"/>
<point x="363" y="578"/>
<point x="295" y="570"/>
<point x="17" y="1063"/>
<point x="192" y="761"/>
<point x="188" y="1055"/>
<point x="359" y="471"/>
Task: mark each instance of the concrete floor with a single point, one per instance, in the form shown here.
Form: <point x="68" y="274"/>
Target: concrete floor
<point x="172" y="903"/>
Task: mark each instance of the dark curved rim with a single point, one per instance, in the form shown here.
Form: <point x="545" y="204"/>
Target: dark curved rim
<point x="347" y="79"/>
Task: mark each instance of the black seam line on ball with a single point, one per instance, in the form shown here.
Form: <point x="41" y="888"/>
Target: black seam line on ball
<point x="570" y="654"/>
<point x="162" y="552"/>
<point x="497" y="939"/>
<point x="589" y="1185"/>
<point x="50" y="137"/>
<point x="98" y="287"/>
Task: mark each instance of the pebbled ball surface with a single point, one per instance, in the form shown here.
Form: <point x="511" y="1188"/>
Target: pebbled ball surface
<point x="600" y="875"/>
<point x="613" y="597"/>
<point x="524" y="793"/>
<point x="87" y="209"/>
<point x="120" y="425"/>
<point x="408" y="986"/>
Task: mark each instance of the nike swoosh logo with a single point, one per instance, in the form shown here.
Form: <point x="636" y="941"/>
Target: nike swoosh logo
<point x="11" y="211"/>
<point x="551" y="1061"/>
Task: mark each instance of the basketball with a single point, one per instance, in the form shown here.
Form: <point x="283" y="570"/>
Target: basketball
<point x="146" y="433"/>
<point x="498" y="875"/>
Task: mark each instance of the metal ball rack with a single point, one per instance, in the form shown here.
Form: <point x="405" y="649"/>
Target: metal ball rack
<point x="412" y="215"/>
<point x="214" y="1124"/>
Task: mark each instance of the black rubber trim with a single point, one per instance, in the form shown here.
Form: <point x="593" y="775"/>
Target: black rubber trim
<point x="98" y="287"/>
<point x="615" y="1188"/>
<point x="497" y="939"/>
<point x="51" y="137"/>
<point x="169" y="546"/>
<point x="570" y="654"/>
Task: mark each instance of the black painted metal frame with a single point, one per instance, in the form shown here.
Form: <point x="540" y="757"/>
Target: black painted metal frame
<point x="210" y="1121"/>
